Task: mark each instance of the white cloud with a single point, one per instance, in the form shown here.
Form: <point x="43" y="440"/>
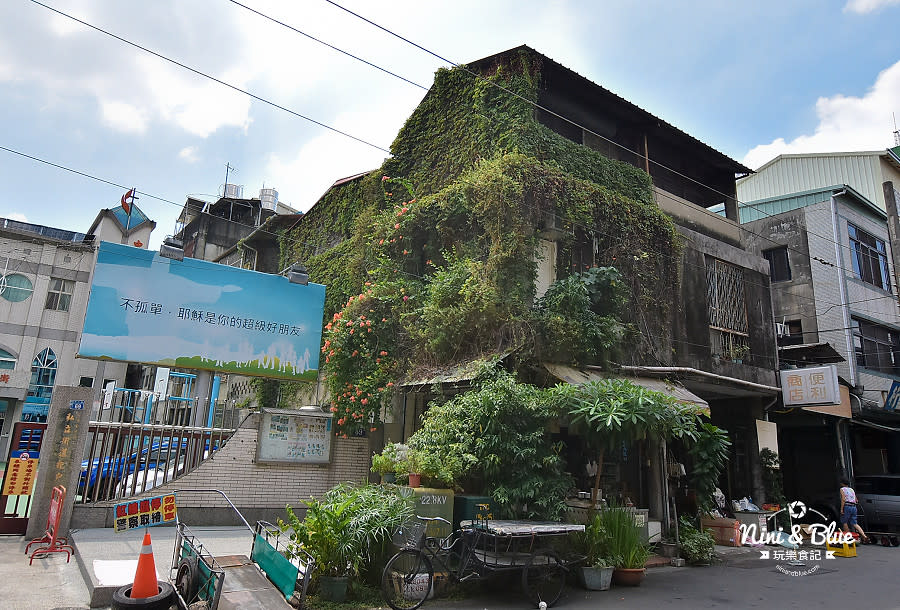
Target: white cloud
<point x="189" y="154"/>
<point x="123" y="117"/>
<point x="867" y="6"/>
<point x="846" y="123"/>
<point x="16" y="216"/>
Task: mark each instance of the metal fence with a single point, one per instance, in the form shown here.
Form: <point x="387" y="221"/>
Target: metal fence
<point x="136" y="443"/>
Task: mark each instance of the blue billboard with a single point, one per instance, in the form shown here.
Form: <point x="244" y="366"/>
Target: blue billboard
<point x="199" y="315"/>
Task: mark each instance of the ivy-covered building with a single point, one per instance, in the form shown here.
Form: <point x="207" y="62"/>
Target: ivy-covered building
<point x="513" y="177"/>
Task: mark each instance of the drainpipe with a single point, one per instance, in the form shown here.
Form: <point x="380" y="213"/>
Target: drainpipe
<point x="842" y="285"/>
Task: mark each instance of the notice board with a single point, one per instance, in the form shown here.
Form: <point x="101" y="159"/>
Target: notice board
<point x="294" y="436"/>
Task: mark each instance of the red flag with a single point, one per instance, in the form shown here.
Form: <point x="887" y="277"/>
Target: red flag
<point x="126" y="204"/>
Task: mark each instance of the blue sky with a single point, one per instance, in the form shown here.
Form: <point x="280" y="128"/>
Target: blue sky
<point x="750" y="79"/>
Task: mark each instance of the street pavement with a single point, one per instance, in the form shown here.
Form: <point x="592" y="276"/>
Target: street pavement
<point x="739" y="580"/>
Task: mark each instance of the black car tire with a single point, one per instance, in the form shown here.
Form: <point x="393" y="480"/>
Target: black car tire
<point x="161" y="601"/>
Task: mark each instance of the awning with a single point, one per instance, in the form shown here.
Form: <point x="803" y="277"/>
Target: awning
<point x="457" y="373"/>
<point x="809" y="353"/>
<point x="575" y="376"/>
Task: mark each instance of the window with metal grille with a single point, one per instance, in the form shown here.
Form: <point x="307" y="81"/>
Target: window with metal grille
<point x="727" y="309"/>
<point x="779" y="267"/>
<point x="59" y="294"/>
<point x="869" y="257"/>
<point x="877" y="347"/>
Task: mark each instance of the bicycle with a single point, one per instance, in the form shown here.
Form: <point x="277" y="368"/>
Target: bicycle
<point x="470" y="553"/>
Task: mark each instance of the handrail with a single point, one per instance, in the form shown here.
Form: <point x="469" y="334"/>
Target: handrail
<point x="222" y="493"/>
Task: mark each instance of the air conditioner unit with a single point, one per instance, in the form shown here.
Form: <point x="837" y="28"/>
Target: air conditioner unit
<point x="781" y="330"/>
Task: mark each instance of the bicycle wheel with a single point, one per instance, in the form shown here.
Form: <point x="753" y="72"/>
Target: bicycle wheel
<point x="407" y="580"/>
<point x="544" y="577"/>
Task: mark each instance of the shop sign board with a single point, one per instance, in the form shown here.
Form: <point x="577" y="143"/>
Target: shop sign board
<point x="810" y="386"/>
<point x="145" y="513"/>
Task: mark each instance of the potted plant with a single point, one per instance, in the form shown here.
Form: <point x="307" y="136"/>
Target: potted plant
<point x="627" y="549"/>
<point x="386" y="462"/>
<point x="736" y="352"/>
<point x="597" y="572"/>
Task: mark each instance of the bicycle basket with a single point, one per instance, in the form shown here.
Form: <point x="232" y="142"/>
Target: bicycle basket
<point x="410" y="535"/>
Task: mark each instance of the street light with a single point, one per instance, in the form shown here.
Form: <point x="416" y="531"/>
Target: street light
<point x="173" y="248"/>
<point x="297" y="274"/>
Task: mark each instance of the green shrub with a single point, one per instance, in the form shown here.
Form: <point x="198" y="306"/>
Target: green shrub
<point x="346" y="528"/>
<point x="697" y="547"/>
<point x="625" y="544"/>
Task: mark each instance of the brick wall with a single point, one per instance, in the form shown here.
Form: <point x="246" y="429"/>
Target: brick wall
<point x="260" y="491"/>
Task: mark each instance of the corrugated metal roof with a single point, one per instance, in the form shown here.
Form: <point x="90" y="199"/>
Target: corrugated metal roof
<point x="738" y="168"/>
<point x="764" y="208"/>
<point x="794" y="173"/>
<point x="575" y="376"/>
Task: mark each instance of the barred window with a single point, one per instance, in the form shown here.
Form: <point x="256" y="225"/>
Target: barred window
<point x="725" y="295"/>
<point x="59" y="295"/>
<point x="727" y="309"/>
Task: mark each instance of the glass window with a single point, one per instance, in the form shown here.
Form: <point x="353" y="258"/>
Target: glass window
<point x="7" y="360"/>
<point x="59" y="294"/>
<point x="869" y="257"/>
<point x="779" y="267"/>
<point x="43" y="376"/>
<point x="86" y="382"/>
<point x="15" y="287"/>
<point x="877" y="347"/>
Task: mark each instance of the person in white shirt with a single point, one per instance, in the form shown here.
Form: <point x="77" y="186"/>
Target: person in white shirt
<point x="848" y="510"/>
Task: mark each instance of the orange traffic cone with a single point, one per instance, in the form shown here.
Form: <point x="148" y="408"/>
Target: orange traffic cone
<point x="145" y="584"/>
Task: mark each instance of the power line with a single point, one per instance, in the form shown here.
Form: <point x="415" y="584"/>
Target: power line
<point x="330" y="46"/>
<point x="580" y="126"/>
<point x="213" y="78"/>
<point x="359" y="139"/>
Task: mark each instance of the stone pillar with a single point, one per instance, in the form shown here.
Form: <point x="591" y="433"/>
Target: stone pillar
<point x="61" y="453"/>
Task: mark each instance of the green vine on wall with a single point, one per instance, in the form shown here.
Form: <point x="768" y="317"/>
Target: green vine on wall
<point x="447" y="273"/>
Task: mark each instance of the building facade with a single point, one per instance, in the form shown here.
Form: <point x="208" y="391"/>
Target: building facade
<point x="833" y="290"/>
<point x="44" y="290"/>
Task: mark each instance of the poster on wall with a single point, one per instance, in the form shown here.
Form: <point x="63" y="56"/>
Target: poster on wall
<point x="294" y="436"/>
<point x="196" y="314"/>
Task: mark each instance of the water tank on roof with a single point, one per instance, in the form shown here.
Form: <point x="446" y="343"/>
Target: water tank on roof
<point x="268" y="198"/>
<point x="233" y="191"/>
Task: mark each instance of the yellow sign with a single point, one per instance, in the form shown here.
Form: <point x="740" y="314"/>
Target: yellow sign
<point x="20" y="475"/>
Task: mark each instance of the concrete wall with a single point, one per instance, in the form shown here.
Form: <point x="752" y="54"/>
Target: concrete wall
<point x="691" y="333"/>
<point x="793" y="299"/>
<point x="260" y="491"/>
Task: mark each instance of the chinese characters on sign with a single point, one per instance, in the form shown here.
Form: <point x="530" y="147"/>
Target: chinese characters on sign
<point x="145" y="513"/>
<point x="65" y="446"/>
<point x="811" y="386"/>
<point x="289" y="436"/>
<point x="20" y="476"/>
<point x="136" y="306"/>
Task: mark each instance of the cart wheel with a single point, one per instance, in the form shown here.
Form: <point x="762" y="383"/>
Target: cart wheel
<point x="407" y="580"/>
<point x="543" y="578"/>
<point x="187" y="579"/>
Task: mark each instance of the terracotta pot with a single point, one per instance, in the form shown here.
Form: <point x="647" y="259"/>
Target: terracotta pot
<point x="629" y="577"/>
<point x="415" y="480"/>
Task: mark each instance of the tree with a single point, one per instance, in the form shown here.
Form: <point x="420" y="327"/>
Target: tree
<point x="615" y="411"/>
